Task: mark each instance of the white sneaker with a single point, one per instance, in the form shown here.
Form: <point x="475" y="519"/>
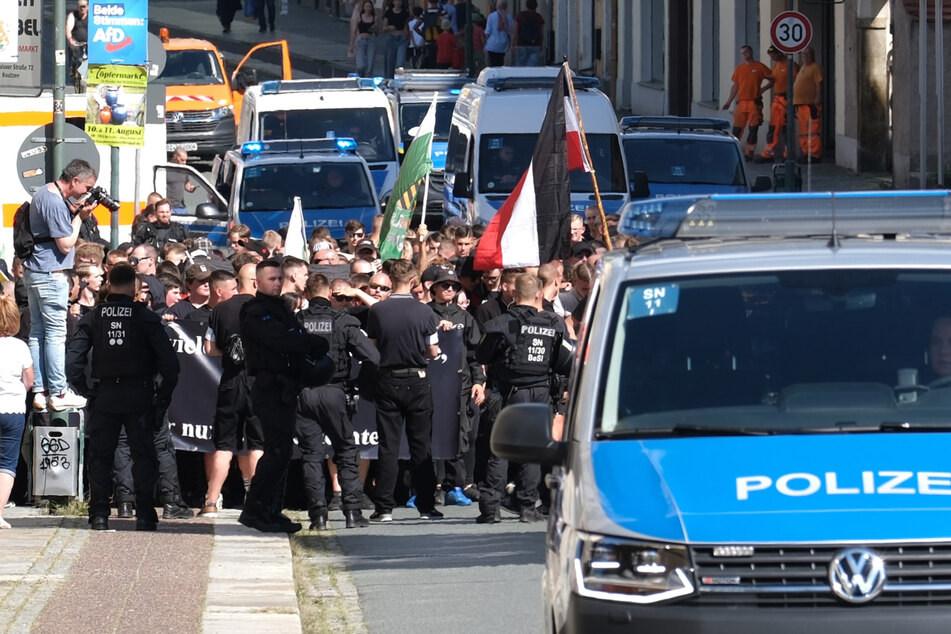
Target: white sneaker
<point x="40" y="401"/>
<point x="67" y="400"/>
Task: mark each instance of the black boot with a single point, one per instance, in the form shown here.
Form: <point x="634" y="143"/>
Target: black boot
<point x="318" y="519"/>
<point x="176" y="511"/>
<point x="124" y="510"/>
<point x="355" y="519"/>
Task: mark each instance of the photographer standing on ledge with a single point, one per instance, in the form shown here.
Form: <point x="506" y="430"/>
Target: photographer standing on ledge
<point x="55" y="222"/>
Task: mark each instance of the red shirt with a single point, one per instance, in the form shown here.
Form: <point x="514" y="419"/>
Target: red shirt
<point x="445" y="46"/>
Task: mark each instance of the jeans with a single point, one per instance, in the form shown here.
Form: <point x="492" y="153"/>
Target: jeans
<point x="394" y="54"/>
<point x="48" y="294"/>
<point x="528" y="55"/>
<point x="366" y="55"/>
<point x="11" y="435"/>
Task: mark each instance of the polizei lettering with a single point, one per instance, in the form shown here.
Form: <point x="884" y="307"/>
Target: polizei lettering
<point x="538" y="331"/>
<point x="116" y="311"/>
<point x="862" y="483"/>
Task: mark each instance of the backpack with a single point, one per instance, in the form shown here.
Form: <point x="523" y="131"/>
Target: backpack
<point x="431" y="20"/>
<point x="23" y="238"/>
<point x="528" y="32"/>
<point x="234" y="349"/>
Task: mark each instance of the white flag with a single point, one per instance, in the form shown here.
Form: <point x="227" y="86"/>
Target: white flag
<point x="296" y="242"/>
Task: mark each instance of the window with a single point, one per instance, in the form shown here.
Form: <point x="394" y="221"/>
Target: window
<point x="710" y="45"/>
<point x="190" y="68"/>
<point x="677" y="160"/>
<point x="369" y="127"/>
<point x="272" y="187"/>
<point x="653" y="25"/>
<point x="456" y="150"/>
<point x="411" y="115"/>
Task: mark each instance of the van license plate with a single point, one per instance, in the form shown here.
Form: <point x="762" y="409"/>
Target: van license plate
<point x="188" y="147"/>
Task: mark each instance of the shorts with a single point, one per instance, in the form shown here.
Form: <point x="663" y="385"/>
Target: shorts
<point x="748" y="113"/>
<point x="236" y="426"/>
<point x="11" y="435"/>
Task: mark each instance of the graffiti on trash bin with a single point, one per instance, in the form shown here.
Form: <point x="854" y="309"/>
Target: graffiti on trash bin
<point x="54" y="453"/>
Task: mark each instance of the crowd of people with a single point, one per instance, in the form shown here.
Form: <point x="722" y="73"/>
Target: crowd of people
<point x="375" y="324"/>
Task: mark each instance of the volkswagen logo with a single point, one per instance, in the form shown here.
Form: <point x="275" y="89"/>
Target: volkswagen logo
<point x="176" y="117"/>
<point x="857" y="575"/>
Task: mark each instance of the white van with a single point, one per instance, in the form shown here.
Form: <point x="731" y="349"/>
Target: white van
<point x="326" y="108"/>
<point x="494" y="127"/>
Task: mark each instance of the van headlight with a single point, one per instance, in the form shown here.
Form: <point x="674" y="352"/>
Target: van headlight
<point x="634" y="572"/>
<point x="221" y="113"/>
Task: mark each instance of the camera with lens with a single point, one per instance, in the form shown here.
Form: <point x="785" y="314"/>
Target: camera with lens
<point x="99" y="196"/>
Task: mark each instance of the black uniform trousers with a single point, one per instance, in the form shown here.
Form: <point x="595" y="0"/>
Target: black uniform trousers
<point x="169" y="489"/>
<point x="406" y="399"/>
<point x="323" y="410"/>
<point x="496" y="469"/>
<point x="274" y="400"/>
<point x="460" y="470"/>
<point x="103" y="436"/>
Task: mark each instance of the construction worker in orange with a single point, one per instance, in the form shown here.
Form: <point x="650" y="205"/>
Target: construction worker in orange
<point x="748" y="89"/>
<point x="775" y="134"/>
<point x="807" y="96"/>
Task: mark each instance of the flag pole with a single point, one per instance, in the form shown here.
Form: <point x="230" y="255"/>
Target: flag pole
<point x="587" y="154"/>
<point x="422" y="217"/>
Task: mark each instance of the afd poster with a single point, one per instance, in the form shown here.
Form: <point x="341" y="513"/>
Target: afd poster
<point x="115" y="105"/>
<point x="118" y="32"/>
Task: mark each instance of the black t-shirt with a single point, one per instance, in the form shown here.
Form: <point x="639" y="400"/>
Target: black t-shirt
<point x="403" y="327"/>
<point x="225" y="321"/>
<point x="181" y="309"/>
<point x="397" y="20"/>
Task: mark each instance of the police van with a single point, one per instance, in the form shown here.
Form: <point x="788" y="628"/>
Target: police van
<point x="759" y="428"/>
<point x="677" y="156"/>
<point x="256" y="184"/>
<point x="494" y="128"/>
<point x="412" y="92"/>
<point x="350" y="107"/>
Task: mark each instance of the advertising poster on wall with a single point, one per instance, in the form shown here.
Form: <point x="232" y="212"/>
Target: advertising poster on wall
<point x="115" y="107"/>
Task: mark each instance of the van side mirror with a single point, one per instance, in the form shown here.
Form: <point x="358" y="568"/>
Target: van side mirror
<point x="762" y="184"/>
<point x="642" y="188"/>
<point x="460" y="186"/>
<point x="522" y="433"/>
<point x="209" y="211"/>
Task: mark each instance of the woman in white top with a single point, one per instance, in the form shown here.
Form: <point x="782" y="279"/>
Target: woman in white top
<point x="498" y="34"/>
<point x="16" y="377"/>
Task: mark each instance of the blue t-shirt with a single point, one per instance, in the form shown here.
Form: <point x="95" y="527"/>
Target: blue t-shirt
<point x="49" y="217"/>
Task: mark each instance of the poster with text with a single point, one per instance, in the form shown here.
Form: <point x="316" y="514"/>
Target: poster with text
<point x="115" y="105"/>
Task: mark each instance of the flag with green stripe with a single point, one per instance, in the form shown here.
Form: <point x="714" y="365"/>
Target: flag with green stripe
<point x="412" y="178"/>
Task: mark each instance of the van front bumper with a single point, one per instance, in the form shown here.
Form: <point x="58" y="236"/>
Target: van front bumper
<point x="208" y="136"/>
<point x="592" y="615"/>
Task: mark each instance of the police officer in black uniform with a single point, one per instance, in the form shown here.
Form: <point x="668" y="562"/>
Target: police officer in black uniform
<point x="459" y="485"/>
<point x="525" y="349"/>
<point x="405" y="332"/>
<point x="129" y="347"/>
<point x="326" y="409"/>
<point x="276" y="353"/>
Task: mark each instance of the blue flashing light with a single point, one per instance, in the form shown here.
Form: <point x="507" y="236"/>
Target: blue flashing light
<point x="455" y="91"/>
<point x="377" y="81"/>
<point x="346" y="144"/>
<point x="270" y="87"/>
<point x="357" y="75"/>
<point x="655" y="217"/>
<point x="251" y="147"/>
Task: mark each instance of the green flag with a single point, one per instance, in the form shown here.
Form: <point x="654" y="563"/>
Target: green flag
<point x="412" y="177"/>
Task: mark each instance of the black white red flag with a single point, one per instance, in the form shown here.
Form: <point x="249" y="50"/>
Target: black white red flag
<point x="532" y="227"/>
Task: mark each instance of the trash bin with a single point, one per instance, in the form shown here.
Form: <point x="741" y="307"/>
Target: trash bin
<point x="779" y="177"/>
<point x="57" y="451"/>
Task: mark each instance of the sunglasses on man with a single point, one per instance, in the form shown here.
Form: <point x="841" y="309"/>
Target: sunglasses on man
<point x="380" y="287"/>
<point x="134" y="260"/>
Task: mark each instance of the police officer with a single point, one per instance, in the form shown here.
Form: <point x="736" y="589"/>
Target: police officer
<point x="276" y="351"/>
<point x="129" y="347"/>
<point x="405" y="332"/>
<point x="460" y="470"/>
<point x="325" y="409"/>
<point x="525" y="349"/>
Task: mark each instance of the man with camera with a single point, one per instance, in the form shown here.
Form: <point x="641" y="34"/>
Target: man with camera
<point x="57" y="212"/>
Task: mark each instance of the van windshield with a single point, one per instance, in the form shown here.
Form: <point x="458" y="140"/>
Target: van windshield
<point x="784" y="353"/>
<point x="503" y="158"/>
<point x="320" y="185"/>
<point x="411" y="115"/>
<point x="369" y="127"/>
<point x="683" y="160"/>
<point x="190" y="68"/>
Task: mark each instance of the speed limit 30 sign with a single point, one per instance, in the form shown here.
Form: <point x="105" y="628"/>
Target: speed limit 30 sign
<point x="790" y="32"/>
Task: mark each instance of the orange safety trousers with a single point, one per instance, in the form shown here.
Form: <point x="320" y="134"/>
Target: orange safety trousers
<point x="810" y="139"/>
<point x="748" y="113"/>
<point x="777" y="126"/>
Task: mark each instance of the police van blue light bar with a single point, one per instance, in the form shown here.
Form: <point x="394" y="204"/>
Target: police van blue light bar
<point x="342" y="144"/>
<point x="819" y="214"/>
<point x="674" y="123"/>
<point x="656" y="217"/>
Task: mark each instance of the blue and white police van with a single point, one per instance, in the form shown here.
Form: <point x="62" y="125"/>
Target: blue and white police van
<point x="678" y="156"/>
<point x="350" y="107"/>
<point x="257" y="183"/>
<point x="412" y="92"/>
<point x="494" y="128"/>
<point x="758" y="437"/>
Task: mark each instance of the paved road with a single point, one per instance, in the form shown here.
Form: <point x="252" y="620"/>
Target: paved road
<point x="451" y="575"/>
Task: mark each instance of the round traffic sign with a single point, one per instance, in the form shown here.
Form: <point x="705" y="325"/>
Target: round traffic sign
<point x="35" y="158"/>
<point x="790" y="32"/>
